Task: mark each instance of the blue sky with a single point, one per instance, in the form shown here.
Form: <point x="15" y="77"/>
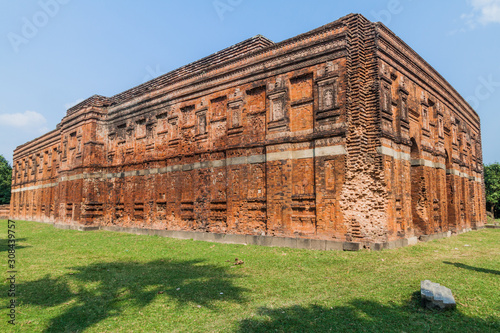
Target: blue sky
<point x="54" y="53"/>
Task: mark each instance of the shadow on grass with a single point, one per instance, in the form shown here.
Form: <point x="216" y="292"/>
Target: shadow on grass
<point x="4" y="244"/>
<point x="472" y="268"/>
<point x="98" y="291"/>
<point x="365" y="316"/>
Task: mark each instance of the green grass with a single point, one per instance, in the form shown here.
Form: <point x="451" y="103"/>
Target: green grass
<point x="70" y="281"/>
<point x="491" y="220"/>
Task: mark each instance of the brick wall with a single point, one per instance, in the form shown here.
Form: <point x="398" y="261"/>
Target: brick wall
<point x="342" y="133"/>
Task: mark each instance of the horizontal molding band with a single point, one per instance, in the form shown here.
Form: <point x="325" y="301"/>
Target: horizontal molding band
<point x="306" y="153"/>
<point x="397" y="155"/>
<point x="424" y="162"/>
<point x="427" y="163"/>
<point x="253" y="159"/>
<point x="35" y="187"/>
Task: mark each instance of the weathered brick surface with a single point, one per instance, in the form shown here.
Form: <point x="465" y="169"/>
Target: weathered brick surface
<point x="343" y="133"/>
<point x="4" y="211"/>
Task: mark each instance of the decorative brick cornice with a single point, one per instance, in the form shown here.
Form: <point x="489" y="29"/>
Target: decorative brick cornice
<point x="399" y="52"/>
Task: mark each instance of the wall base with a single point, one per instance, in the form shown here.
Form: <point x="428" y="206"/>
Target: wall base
<point x="271" y="241"/>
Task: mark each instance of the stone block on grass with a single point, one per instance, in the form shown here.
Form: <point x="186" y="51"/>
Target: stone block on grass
<point x="436" y="296"/>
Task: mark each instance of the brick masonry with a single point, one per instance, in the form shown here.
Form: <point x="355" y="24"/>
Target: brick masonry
<point x="342" y="134"/>
<point x="4" y="211"/>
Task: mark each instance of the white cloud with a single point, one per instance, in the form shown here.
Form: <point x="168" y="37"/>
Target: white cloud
<point x="71" y="104"/>
<point x="483" y="12"/>
<point x="29" y="120"/>
<point x="19" y="128"/>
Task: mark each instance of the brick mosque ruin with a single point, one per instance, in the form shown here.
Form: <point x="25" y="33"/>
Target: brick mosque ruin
<point x="341" y="134"/>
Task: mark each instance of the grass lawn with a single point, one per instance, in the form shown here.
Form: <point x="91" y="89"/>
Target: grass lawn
<point x="491" y="220"/>
<point x="70" y="281"/>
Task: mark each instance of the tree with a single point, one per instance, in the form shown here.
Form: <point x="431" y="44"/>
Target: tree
<point x="5" y="180"/>
<point x="492" y="184"/>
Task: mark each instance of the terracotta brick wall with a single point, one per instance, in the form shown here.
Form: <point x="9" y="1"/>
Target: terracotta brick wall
<point x="4" y="211"/>
<point x="342" y="133"/>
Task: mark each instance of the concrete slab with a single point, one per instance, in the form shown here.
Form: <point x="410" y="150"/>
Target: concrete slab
<point x="303" y="243"/>
<point x="318" y="244"/>
<point x="351" y="246"/>
<point x="334" y="246"/>
<point x="412" y="241"/>
<point x="283" y="242"/>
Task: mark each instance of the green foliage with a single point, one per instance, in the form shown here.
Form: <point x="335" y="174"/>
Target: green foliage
<point x="492" y="184"/>
<point x="5" y="180"/>
<point x="99" y="281"/>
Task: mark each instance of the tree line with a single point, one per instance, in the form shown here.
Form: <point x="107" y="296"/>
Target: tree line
<point x="492" y="185"/>
<point x="5" y="180"/>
